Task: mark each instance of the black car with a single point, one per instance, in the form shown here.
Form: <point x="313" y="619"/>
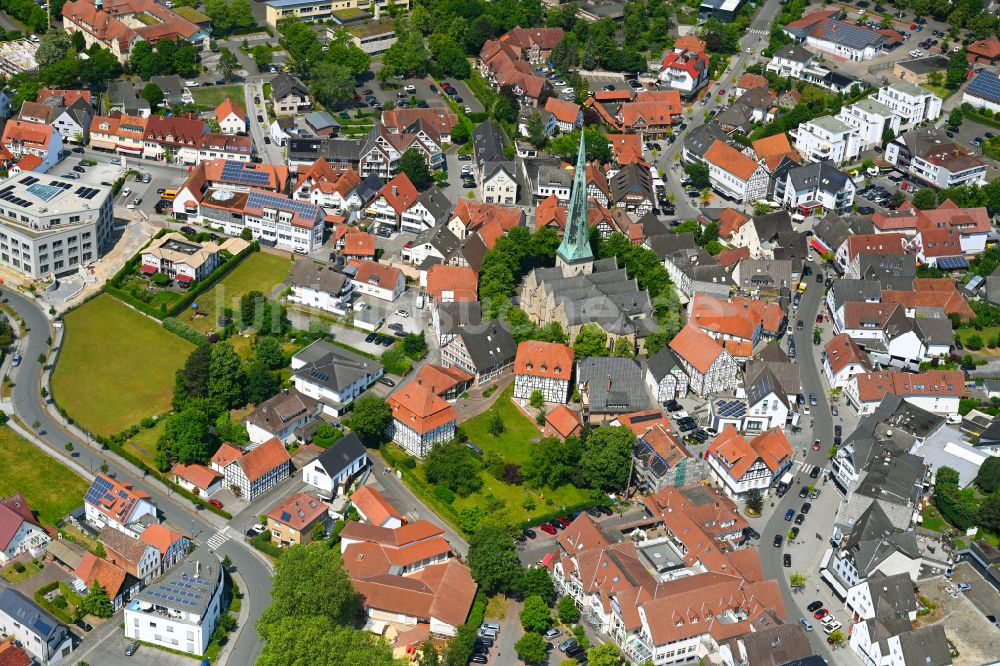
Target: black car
<point x="465" y="157"/>
<point x="807" y="270"/>
<point x="529" y="534"/>
<point x="812" y="475"/>
<point x="188" y="230"/>
<point x="606" y="510"/>
<point x="799" y="519"/>
<point x="751" y="533"/>
<point x="778" y="540"/>
<point x="673" y="406"/>
<point x="686" y="427"/>
<point x="805" y="507"/>
<point x="78" y="149"/>
<point x="385" y="381"/>
<point x="479" y="658"/>
<point x="804" y="492"/>
<point x="83" y="624"/>
<point x="837" y="430"/>
<point x="866" y="210"/>
<point x="814" y="606"/>
<point x="260" y="118"/>
<point x="787" y="560"/>
<point x="371" y="337"/>
<point x="79" y="169"/>
<point x="131" y="648"/>
<point x="958" y="345"/>
<point x="575" y="650"/>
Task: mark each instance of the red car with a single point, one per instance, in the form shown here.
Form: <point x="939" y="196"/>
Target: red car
<point x="564" y="521"/>
<point x="816" y="445"/>
<point x="548" y="529"/>
<point x="821" y="613"/>
<point x="216" y="503"/>
<point x="819" y="319"/>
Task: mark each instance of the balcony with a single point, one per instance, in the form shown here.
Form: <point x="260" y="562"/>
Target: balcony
<point x="638" y="650"/>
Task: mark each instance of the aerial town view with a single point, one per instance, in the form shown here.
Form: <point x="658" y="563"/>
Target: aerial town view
<point x="542" y="332"/>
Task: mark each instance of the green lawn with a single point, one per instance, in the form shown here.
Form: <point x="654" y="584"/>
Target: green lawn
<point x="116" y="366"/>
<point x="941" y="91"/>
<point x="985" y="335"/>
<point x="932" y="519"/>
<point x="213" y="96"/>
<point x="144" y="444"/>
<point x="259" y="272"/>
<point x="515" y="443"/>
<point x="51" y="489"/>
<point x="11" y="575"/>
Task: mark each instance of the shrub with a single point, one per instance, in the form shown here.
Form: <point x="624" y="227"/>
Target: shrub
<point x="443" y="494"/>
<point x="60" y="602"/>
<point x="19" y="567"/>
<point x="147" y="422"/>
<point x="177" y="327"/>
<point x="512" y="474"/>
<point x="409" y="462"/>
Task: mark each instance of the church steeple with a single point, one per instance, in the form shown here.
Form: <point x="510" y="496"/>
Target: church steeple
<point x="574" y="254"/>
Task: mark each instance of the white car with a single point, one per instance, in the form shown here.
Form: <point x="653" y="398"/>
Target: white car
<point x="191" y="84"/>
<point x="410" y="89"/>
<point x="561" y="83"/>
<point x="126" y="191"/>
<point x="568" y="91"/>
<point x="916" y="53"/>
<point x="402" y="313"/>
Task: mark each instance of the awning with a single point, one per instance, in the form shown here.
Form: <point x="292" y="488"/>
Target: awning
<point x="548" y="558"/>
<point x="834" y="583"/>
<point x="184" y="278"/>
<point x="819" y="247"/>
<point x="149" y="270"/>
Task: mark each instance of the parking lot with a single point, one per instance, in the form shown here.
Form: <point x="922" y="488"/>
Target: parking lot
<point x="111" y="652"/>
<point x="389" y="91"/>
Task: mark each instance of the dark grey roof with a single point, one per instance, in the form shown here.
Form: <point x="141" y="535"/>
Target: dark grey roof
<point x="741" y="112"/>
<point x="307" y="273"/>
<point x="284" y="84"/>
<point x="171" y="84"/>
<point x="452" y="317"/>
<point x="441" y="238"/>
<point x="700" y="139"/>
<point x="288" y="406"/>
<point x="834" y="229"/>
<point x="849" y="35"/>
<point x="793" y="52"/>
<point x="764" y="385"/>
<point x="190" y="586"/>
<point x="666" y="244"/>
<point x="776" y="645"/>
<point x="35" y="619"/>
<point x="474" y="250"/>
<point x="122" y="93"/>
<point x="341" y="454"/>
<point x="874" y="538"/>
<point x="886" y="266"/>
<point x="661" y="363"/>
<point x="986" y="86"/>
<point x="614" y="385"/>
<point x="699" y="265"/>
<point x="369" y="188"/>
<point x="320" y="120"/>
<point x="767" y="273"/>
<point x="819" y="177"/>
<point x="334" y="367"/>
<point x="487" y="143"/>
<point x="935" y="331"/>
<point x="770" y="358"/>
<point x="892" y="594"/>
<point x="896" y="478"/>
<point x="926" y="646"/>
<point x="925" y="65"/>
<point x="436" y="203"/>
<point x="489" y="346"/>
<point x="491" y="168"/>
<point x="310" y="149"/>
<point x="631" y="178"/>
<point x="769" y="225"/>
<point x="845" y="290"/>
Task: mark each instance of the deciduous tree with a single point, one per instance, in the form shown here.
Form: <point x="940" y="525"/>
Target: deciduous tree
<point x="370" y="419"/>
<point x="535" y="615"/>
<point x="493" y="559"/>
<point x="606" y="456"/>
<point x="413" y="164"/>
<point x="226" y="377"/>
<point x="568" y="612"/>
<point x="532" y="648"/>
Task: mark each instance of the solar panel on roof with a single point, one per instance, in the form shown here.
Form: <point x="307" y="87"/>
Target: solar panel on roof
<point x="262" y="199"/>
<point x="236" y="172"/>
<point x="28" y="180"/>
<point x="43" y="192"/>
<point x="985" y="85"/>
<point x="98" y="489"/>
<point x="952" y="263"/>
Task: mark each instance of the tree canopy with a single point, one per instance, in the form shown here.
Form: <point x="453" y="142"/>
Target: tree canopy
<point x="493" y="559"/>
<point x="606" y="456"/>
<point x="370" y="420"/>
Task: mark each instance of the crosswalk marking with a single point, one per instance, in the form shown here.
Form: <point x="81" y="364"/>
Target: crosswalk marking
<point x="218" y="539"/>
<point x="758" y="31"/>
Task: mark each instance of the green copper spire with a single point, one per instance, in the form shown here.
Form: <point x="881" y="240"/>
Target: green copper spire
<point x="575" y="246"/>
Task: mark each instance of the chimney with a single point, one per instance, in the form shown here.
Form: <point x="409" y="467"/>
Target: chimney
<point x="609" y="382"/>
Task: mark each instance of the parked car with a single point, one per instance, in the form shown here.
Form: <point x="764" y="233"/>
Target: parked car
<point x="814" y="606"/>
<point x="804" y="492"/>
<point x="567" y="644"/>
<point x="789" y="514"/>
<point x="216" y="503"/>
<point x="385" y="381"/>
<point x="529" y="533"/>
<point x="778" y="540"/>
<point x="964" y="587"/>
<point x="131" y="648"/>
<point x="799" y="519"/>
<point x="553" y="633"/>
<point x="806" y="624"/>
<point x="787" y="560"/>
<point x="548" y="529"/>
<point x="813" y="475"/>
<point x="821" y="613"/>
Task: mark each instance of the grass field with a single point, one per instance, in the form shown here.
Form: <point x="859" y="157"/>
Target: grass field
<point x="116" y="366"/>
<point x="52" y="490"/>
<point x="144" y="444"/>
<point x="259" y="272"/>
<point x="515" y="443"/>
<point x="213" y="96"/>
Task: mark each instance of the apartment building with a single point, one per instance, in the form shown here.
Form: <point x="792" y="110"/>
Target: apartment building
<point x="826" y="138"/>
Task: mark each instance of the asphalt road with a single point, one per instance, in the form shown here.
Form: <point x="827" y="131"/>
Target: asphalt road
<point x="199" y="525"/>
<point x="822" y="429"/>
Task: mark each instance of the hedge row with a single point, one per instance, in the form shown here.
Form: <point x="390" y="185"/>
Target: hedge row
<point x="179" y="328"/>
<point x="111" y="443"/>
<point x="418" y="486"/>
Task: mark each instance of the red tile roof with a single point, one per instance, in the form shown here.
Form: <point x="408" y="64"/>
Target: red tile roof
<point x="727" y="158"/>
<point x="228" y="107"/>
<point x="842" y="350"/>
<point x="934" y="292"/>
<point x="399" y="193"/>
<point x="564" y="111"/>
<point x="544" y="359"/>
<point x="12" y="655"/>
<point x="549" y="213"/>
<point x="731" y="221"/>
<point x="875" y="244"/>
<point x="812" y="18"/>
<point x="107" y="575"/>
<point x="731" y="256"/>
<point x="359" y="243"/>
<point x="872" y="386"/>
<point x="773" y="149"/>
<point x="31" y="135"/>
<point x="695" y="63"/>
<point x="452" y="283"/>
<point x="751" y="81"/>
<point x="198" y="475"/>
<point x="564" y="421"/>
<point x="940" y="242"/>
<point x="420" y="409"/>
<point x="441" y="379"/>
<point x="264" y="458"/>
<point x="985" y="48"/>
<point x="736" y="454"/>
<point x="696" y="347"/>
<point x="226" y="454"/>
<point x="320" y="175"/>
<point x="376" y="508"/>
<point x="689" y="43"/>
<point x="371" y="272"/>
<point x="298" y="511"/>
<point x="160" y="537"/>
<point x="738" y="317"/>
<point x="475" y="214"/>
<point x="627" y="148"/>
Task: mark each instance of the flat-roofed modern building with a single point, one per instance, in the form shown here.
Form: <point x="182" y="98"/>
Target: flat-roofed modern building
<point x="179" y="611"/>
<point x="51" y="225"/>
<point x="322" y="10"/>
